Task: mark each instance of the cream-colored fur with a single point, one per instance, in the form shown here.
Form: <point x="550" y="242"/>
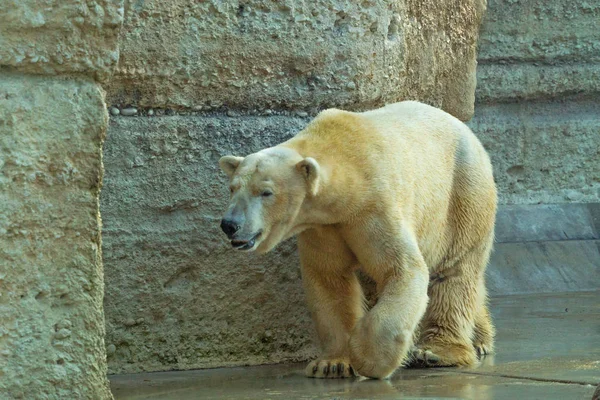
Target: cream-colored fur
<point x="404" y="192"/>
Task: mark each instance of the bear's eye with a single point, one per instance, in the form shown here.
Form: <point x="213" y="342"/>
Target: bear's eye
<point x="267" y="193"/>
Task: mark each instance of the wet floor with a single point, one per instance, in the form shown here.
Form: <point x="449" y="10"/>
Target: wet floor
<point x="547" y="347"/>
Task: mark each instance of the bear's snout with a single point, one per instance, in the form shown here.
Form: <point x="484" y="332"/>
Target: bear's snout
<point x="230" y="227"/>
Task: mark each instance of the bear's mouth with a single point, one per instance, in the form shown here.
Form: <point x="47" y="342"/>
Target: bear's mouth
<point x="245" y="244"/>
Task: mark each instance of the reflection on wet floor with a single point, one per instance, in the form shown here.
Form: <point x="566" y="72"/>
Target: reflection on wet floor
<point x="548" y="347"/>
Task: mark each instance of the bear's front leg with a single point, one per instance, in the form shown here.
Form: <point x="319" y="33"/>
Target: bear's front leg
<point x="381" y="340"/>
<point x="334" y="298"/>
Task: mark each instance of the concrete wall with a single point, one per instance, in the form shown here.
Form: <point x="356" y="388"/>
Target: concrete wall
<point x="177" y="296"/>
<point x="207" y="79"/>
<point x="538" y="87"/>
<point x="53" y="121"/>
<point x="262" y="54"/>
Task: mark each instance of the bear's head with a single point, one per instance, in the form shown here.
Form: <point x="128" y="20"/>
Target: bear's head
<point x="268" y="191"/>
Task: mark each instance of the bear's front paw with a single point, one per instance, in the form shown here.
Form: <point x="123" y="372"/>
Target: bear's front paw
<point x="377" y="348"/>
<point x="329" y="368"/>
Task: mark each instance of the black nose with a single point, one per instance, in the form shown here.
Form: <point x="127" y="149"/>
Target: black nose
<point x="229" y="227"/>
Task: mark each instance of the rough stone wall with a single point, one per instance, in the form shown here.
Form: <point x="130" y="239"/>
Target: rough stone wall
<point x="190" y="300"/>
<point x="262" y="54"/>
<point x="535" y="49"/>
<point x="205" y="79"/>
<point x="51" y="331"/>
<point x="537" y="99"/>
<point x="60" y="36"/>
<point x="53" y="121"/>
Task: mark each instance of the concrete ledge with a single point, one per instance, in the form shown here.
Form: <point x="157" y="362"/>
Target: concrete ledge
<point x="547" y="222"/>
<point x="544" y="267"/>
<point x="545" y="248"/>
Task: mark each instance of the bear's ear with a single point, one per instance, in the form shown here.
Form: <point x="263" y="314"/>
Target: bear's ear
<point x="229" y="164"/>
<point x="310" y="170"/>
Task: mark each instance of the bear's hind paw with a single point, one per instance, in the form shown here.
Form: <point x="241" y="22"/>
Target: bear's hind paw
<point x="442" y="355"/>
<point x="419" y="358"/>
<point x="482" y="350"/>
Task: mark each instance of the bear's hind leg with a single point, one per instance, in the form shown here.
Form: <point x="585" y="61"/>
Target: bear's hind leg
<point x="456" y="305"/>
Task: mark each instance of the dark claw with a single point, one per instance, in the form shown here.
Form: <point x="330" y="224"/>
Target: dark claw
<point x="334" y="369"/>
<point x="341" y="368"/>
<point x="326" y="370"/>
<point x="352" y="371"/>
<point x="315" y="369"/>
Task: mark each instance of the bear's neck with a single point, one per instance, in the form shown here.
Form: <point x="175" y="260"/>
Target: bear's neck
<point x="337" y="199"/>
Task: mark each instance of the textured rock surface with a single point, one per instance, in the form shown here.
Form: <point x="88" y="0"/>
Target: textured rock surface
<point x="537" y="99"/>
<point x="51" y="288"/>
<point x="60" y="36"/>
<point x="542" y="152"/>
<point x="539" y="49"/>
<point x="519" y="82"/>
<point x="177" y="295"/>
<point x="291" y="54"/>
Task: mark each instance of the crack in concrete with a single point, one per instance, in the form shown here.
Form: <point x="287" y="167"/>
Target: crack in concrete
<point x="529" y="378"/>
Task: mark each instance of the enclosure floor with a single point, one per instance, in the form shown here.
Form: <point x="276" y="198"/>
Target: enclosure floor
<point x="548" y="347"/>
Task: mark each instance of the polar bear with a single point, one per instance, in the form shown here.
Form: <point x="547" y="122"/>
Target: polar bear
<point x="405" y="193"/>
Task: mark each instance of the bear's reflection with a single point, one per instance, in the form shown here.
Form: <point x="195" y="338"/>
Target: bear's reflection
<point x="440" y="383"/>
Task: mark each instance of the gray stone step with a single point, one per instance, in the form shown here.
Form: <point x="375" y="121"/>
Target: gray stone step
<point x="547" y="222"/>
<point x="545" y="248"/>
<point x="538" y="267"/>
